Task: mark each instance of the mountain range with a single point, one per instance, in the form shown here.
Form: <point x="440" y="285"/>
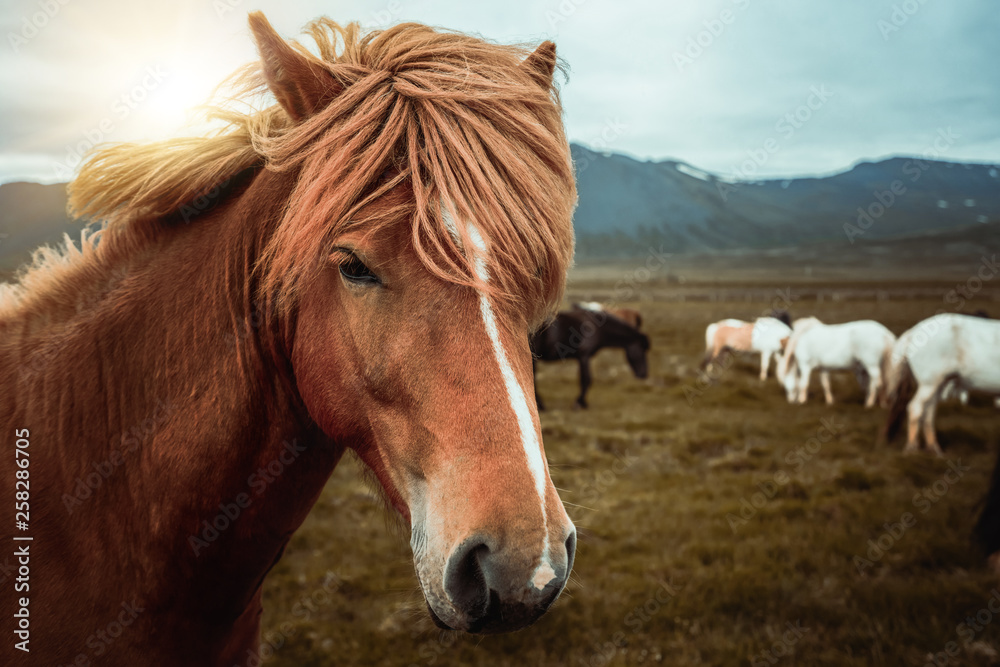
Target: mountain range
<point x="627" y="206"/>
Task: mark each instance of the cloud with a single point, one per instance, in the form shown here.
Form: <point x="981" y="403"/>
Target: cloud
<point x="705" y="82"/>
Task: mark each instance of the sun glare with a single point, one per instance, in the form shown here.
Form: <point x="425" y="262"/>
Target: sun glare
<point x="167" y="96"/>
<point x="160" y="72"/>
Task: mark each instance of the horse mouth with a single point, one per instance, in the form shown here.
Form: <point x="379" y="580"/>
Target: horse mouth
<point x="501" y="617"/>
<point x="437" y="619"/>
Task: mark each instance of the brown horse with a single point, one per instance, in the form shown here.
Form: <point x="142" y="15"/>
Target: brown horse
<point x="391" y="230"/>
<point x="629" y="316"/>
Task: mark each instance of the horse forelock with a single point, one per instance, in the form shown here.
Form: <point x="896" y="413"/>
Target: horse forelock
<point x="458" y="120"/>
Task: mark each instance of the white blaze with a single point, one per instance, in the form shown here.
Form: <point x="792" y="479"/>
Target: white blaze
<point x="518" y="401"/>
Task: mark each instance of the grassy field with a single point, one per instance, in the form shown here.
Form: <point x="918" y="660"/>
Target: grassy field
<point x="717" y="524"/>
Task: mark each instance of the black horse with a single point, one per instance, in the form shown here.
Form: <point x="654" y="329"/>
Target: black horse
<point x="579" y="334"/>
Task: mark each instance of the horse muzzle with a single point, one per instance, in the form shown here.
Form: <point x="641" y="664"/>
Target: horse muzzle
<point x="488" y="590"/>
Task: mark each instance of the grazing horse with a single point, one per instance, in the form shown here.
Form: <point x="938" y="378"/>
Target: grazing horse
<point x="390" y="229"/>
<point x="710" y="336"/>
<point x="960" y="351"/>
<point x="630" y="316"/>
<point x="832" y="347"/>
<point x="765" y="335"/>
<point x="860" y="373"/>
<point x="580" y="334"/>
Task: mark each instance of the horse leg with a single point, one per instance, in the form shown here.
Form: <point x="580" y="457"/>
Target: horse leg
<point x="765" y="362"/>
<point x="874" y="386"/>
<point x="805" y="373"/>
<point x="534" y="384"/>
<point x="581" y="402"/>
<point x="915" y="413"/>
<point x="824" y="379"/>
<point x="717" y="353"/>
<point x="930" y="433"/>
<point x="707" y="360"/>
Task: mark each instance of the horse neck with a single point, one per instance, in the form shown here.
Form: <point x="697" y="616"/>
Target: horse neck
<point x="617" y="333"/>
<point x="159" y="403"/>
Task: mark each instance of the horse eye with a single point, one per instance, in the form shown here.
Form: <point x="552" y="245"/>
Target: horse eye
<point x="355" y="271"/>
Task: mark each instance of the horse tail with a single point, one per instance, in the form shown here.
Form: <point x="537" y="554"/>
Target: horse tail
<point x="885" y="368"/>
<point x="987" y="529"/>
<point x="900" y="386"/>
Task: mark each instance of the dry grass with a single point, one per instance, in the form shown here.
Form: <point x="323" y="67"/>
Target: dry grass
<point x="662" y="576"/>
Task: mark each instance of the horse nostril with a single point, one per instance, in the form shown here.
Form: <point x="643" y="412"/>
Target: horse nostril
<point x="465" y="582"/>
<point x="493" y="590"/>
<point x="570" y="553"/>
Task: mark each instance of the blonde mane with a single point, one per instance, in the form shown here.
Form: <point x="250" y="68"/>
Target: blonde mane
<point x="460" y="121"/>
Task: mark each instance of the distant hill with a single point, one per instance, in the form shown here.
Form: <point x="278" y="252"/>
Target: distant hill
<point x="31" y="215"/>
<point x="627" y="206"/>
<point x="930" y="254"/>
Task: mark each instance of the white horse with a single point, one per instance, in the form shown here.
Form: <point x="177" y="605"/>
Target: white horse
<point x="833" y="347"/>
<point x="947" y="350"/>
<point x="765" y="335"/>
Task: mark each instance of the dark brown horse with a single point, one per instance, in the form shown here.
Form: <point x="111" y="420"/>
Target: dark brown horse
<point x="183" y="389"/>
<point x="580" y="334"/>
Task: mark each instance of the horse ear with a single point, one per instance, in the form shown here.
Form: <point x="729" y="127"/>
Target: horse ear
<point x="300" y="85"/>
<point x="541" y="64"/>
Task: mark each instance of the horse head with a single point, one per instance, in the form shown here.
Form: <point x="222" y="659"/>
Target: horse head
<point x="789" y="380"/>
<point x="635" y="353"/>
<point x="429" y="232"/>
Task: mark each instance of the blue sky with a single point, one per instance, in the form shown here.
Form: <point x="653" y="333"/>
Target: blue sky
<point x="745" y="88"/>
